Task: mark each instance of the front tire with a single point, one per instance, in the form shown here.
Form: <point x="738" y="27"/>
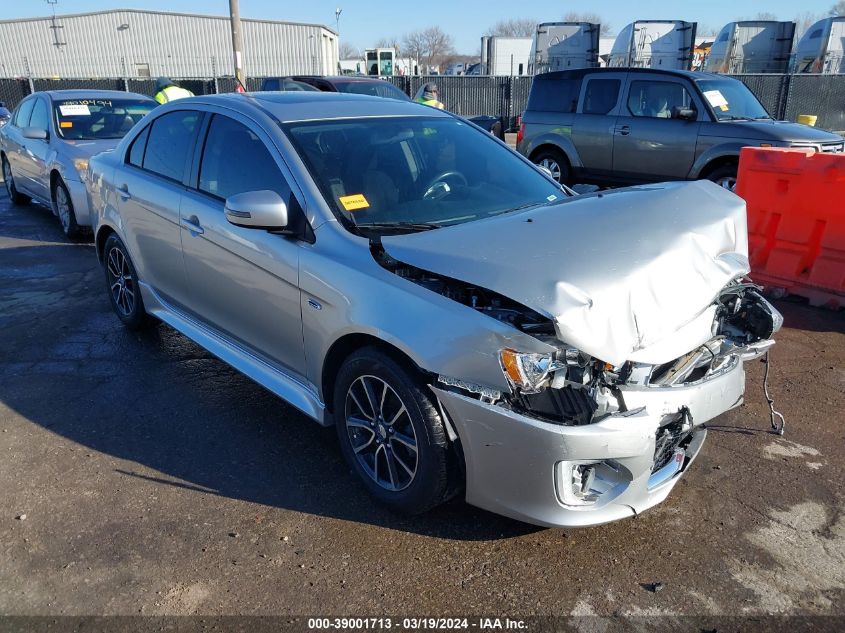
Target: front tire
<point x="63" y="208"/>
<point x="122" y="284"/>
<point x="8" y="179"/>
<point x="724" y="176"/>
<point x="391" y="433"/>
<point x="556" y="163"/>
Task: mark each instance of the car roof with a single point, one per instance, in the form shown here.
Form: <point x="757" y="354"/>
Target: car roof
<point x="93" y="94"/>
<point x="309" y="106"/>
<point x="581" y="72"/>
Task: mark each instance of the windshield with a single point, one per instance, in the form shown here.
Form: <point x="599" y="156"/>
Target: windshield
<point x="376" y="88"/>
<point x="92" y="119"/>
<point x="731" y="100"/>
<point x="414" y="173"/>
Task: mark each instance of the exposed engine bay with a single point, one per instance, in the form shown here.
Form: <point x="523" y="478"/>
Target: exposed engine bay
<point x="572" y="388"/>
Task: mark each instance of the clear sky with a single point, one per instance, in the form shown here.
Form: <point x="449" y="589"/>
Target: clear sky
<point x="364" y="22"/>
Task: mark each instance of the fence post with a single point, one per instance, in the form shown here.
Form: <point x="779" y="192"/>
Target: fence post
<point x="214" y="73"/>
<point x="28" y="75"/>
<point x="786" y="91"/>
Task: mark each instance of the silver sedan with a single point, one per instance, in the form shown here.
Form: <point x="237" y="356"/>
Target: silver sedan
<point x="46" y="145"/>
<point x="467" y="325"/>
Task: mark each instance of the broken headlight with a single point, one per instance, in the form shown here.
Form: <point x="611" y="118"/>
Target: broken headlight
<point x="530" y="373"/>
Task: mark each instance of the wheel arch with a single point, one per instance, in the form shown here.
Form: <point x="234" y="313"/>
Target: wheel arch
<point x="100" y="240"/>
<point x="348" y="344"/>
<point x="717" y="163"/>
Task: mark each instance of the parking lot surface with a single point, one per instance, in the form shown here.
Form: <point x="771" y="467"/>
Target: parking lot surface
<point x="142" y="476"/>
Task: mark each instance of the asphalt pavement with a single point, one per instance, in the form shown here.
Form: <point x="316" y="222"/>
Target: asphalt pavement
<point x="139" y="475"/>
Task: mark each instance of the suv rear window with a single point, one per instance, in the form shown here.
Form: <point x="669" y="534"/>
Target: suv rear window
<point x="554" y="95"/>
<point x="601" y="95"/>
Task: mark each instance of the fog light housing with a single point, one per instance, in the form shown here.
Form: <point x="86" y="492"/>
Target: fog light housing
<point x="585" y="484"/>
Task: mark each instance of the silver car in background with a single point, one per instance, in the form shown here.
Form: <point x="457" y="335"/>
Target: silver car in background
<point x="466" y="324"/>
<point x="45" y="146"/>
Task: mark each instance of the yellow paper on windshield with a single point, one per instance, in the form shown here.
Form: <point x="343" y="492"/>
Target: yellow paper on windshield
<point x="354" y="202"/>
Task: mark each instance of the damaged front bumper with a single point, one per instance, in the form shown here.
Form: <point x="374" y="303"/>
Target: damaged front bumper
<point x="574" y="476"/>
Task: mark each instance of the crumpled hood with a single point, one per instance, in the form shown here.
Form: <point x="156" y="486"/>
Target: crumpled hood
<point x="625" y="275"/>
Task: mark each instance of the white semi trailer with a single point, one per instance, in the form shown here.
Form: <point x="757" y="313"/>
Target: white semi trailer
<point x="505" y="55"/>
<point x="761" y="46"/>
<point x="564" y="46"/>
<point x="822" y="49"/>
<point x="655" y="44"/>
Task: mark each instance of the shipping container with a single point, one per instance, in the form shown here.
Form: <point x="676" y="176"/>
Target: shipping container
<point x="822" y="49"/>
<point x="655" y="44"/>
<point x="564" y="46"/>
<point x="761" y="46"/>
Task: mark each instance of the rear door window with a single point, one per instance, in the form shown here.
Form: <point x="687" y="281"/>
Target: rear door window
<point x="235" y="160"/>
<point x="170" y="142"/>
<point x="601" y="95"/>
<point x="554" y="95"/>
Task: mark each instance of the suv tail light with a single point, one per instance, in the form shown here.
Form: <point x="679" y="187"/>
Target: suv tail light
<point x="521" y="133"/>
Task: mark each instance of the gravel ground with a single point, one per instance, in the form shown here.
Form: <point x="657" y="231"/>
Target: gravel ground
<point x="142" y="476"/>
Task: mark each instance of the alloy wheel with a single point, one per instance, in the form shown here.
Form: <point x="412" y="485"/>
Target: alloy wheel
<point x="381" y="433"/>
<point x="63" y="207"/>
<point x="553" y="167"/>
<point x="121" y="282"/>
<point x="727" y="182"/>
<point x="7" y="178"/>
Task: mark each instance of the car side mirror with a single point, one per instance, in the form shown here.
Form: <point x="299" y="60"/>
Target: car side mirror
<point x="686" y="114"/>
<point x="257" y="210"/>
<point x="37" y="133"/>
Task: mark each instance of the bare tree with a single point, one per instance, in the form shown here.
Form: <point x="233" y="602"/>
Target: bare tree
<point x="765" y="15"/>
<point x="838" y="8"/>
<point x="347" y="51"/>
<point x="804" y="21"/>
<point x="389" y="42"/>
<point x="515" y="27"/>
<point x="429" y="46"/>
<point x="594" y="18"/>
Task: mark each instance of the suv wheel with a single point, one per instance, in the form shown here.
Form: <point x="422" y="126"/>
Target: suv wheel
<point x="556" y="163"/>
<point x="122" y="284"/>
<point x="63" y="208"/>
<point x="391" y="433"/>
<point x="14" y="196"/>
<point x="724" y="176"/>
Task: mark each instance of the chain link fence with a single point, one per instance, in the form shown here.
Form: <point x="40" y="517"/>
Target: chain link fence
<point x="783" y="96"/>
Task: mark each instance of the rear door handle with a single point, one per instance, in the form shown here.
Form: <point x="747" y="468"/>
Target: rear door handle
<point x="123" y="192"/>
<point x="623" y="130"/>
<point x="192" y="224"/>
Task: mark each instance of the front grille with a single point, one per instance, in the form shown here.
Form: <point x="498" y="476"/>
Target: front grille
<point x="676" y="433"/>
<point x="833" y="148"/>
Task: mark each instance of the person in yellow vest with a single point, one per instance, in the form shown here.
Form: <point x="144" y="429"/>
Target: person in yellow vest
<point x="169" y="91"/>
<point x="429" y="96"/>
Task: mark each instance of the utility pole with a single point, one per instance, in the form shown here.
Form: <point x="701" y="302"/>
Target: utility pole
<point x="237" y="45"/>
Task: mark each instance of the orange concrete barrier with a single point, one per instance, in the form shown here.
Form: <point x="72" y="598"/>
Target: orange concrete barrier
<point x="796" y="220"/>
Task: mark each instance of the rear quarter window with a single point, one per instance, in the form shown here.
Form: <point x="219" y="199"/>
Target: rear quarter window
<point x="554" y="95"/>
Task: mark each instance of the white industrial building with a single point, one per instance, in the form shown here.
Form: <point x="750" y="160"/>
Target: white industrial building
<point x="133" y="43"/>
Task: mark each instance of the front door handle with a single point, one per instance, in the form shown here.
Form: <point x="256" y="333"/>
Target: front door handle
<point x="193" y="225"/>
<point x="123" y="192"/>
<point x="623" y="130"/>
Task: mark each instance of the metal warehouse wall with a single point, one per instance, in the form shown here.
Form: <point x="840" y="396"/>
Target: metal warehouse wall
<point x="175" y="44"/>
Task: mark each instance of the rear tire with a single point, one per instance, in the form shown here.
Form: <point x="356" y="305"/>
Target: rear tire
<point x="556" y="163"/>
<point x="382" y="410"/>
<point x="122" y="285"/>
<point x="724" y="176"/>
<point x="63" y="208"/>
<point x="14" y="196"/>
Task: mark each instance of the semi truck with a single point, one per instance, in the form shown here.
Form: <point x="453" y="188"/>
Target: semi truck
<point x="666" y="45"/>
<point x="761" y="46"/>
<point x="822" y="49"/>
<point x="564" y="46"/>
<point x="505" y="55"/>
